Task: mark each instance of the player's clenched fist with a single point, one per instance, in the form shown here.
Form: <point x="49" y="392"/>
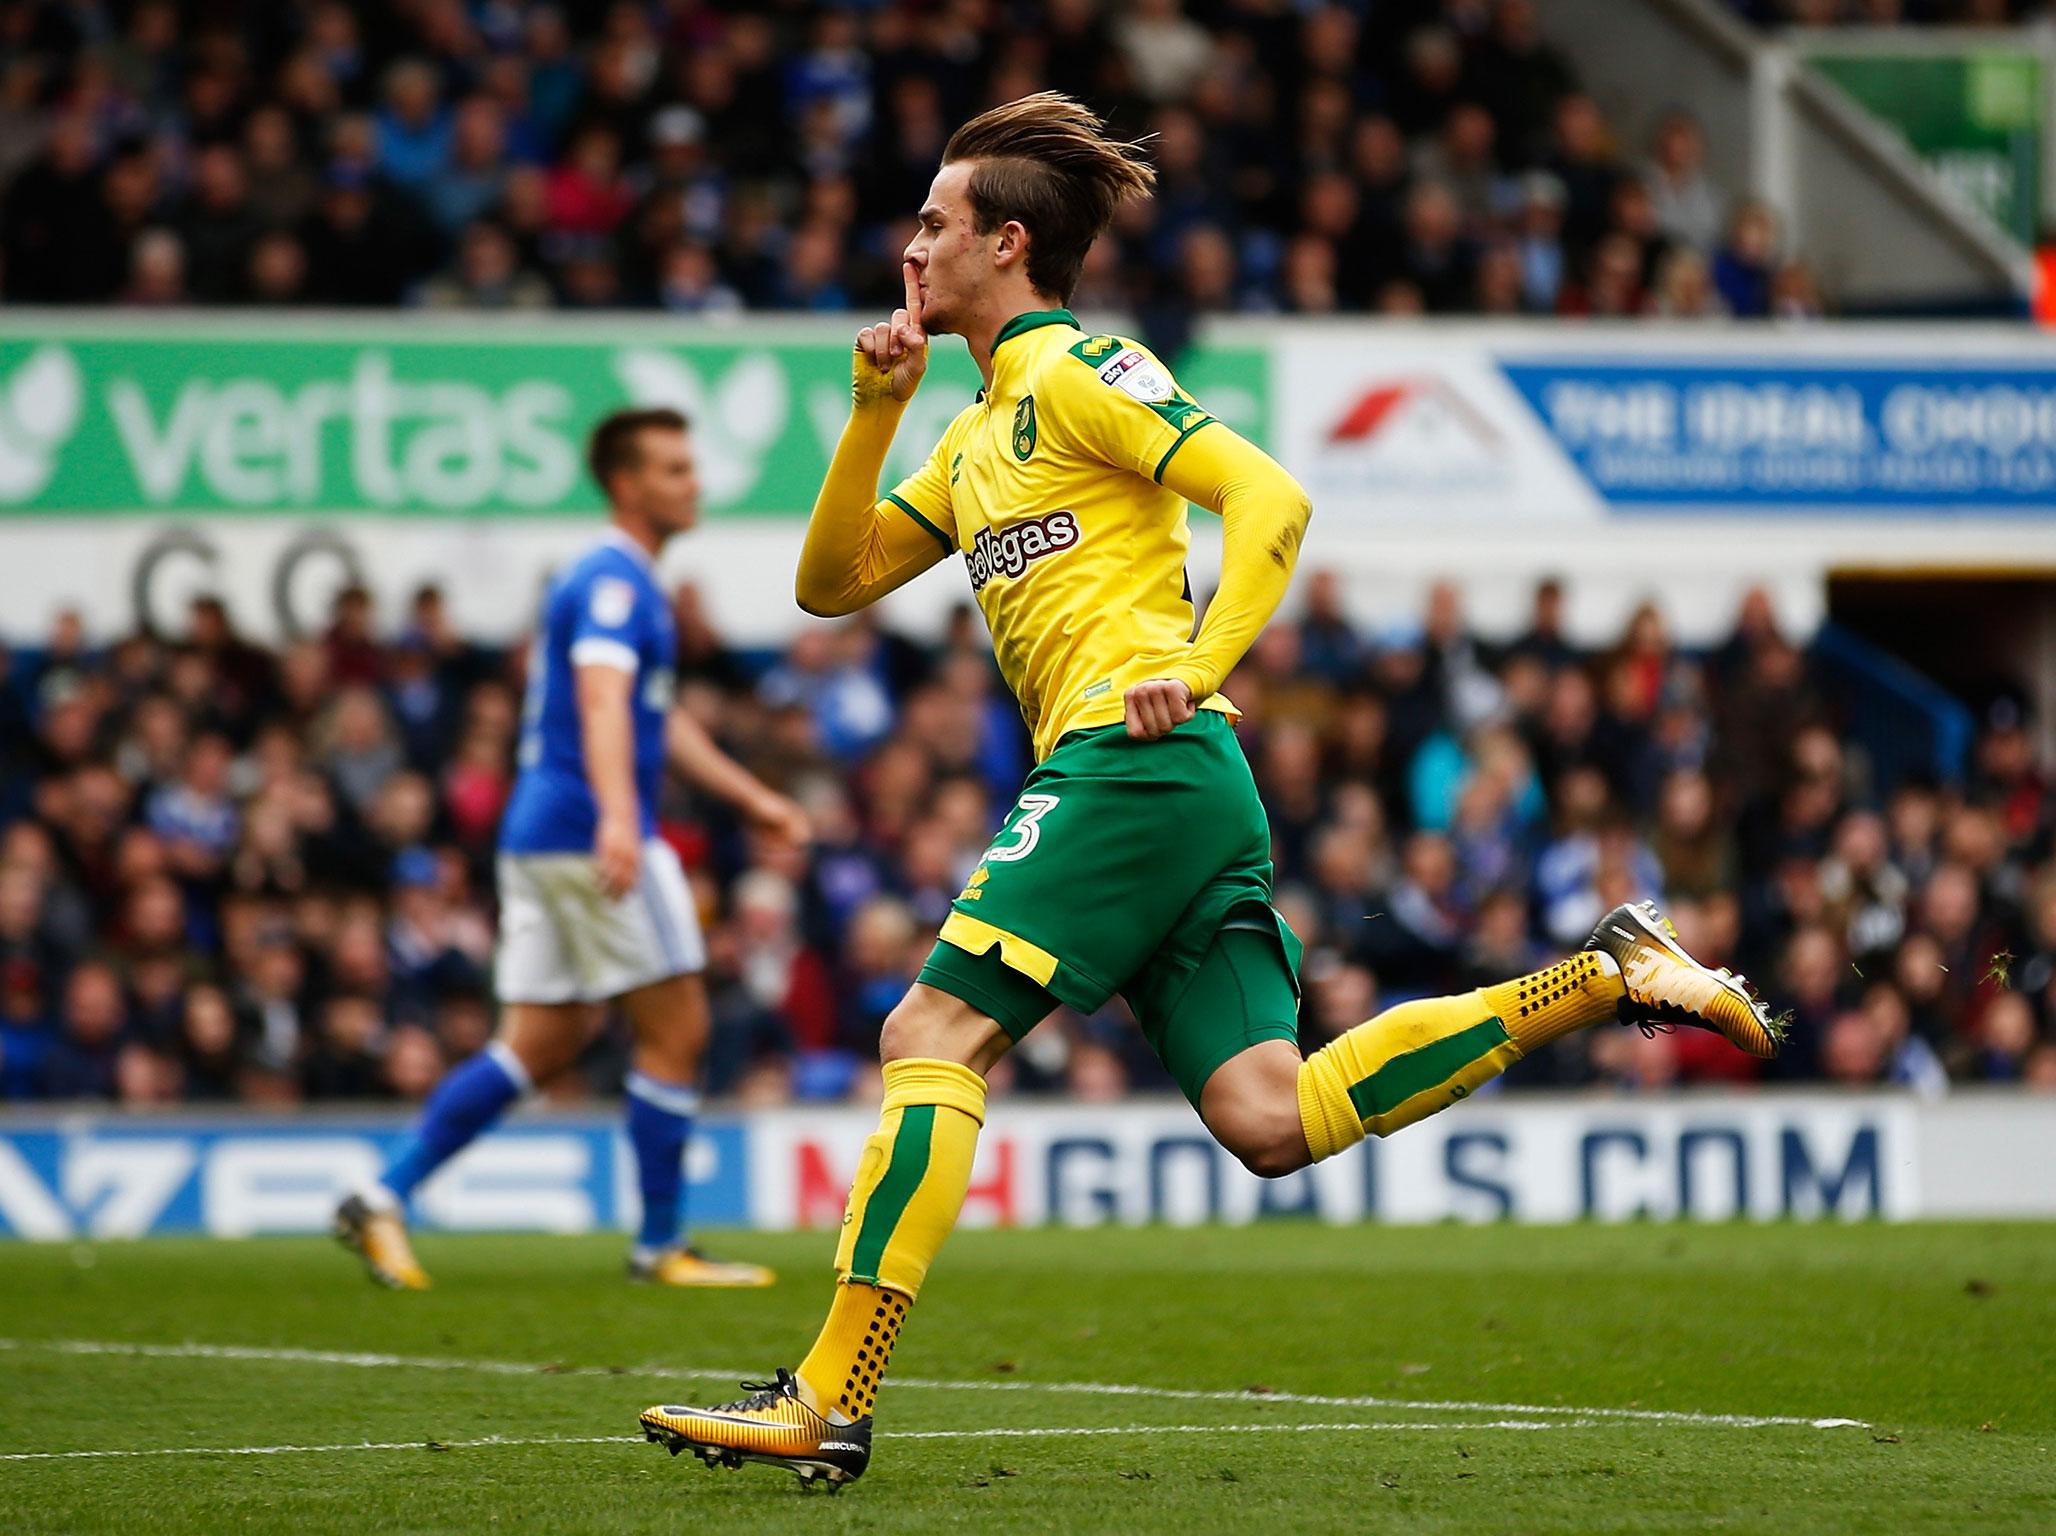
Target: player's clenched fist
<point x="891" y="357"/>
<point x="1154" y="708"/>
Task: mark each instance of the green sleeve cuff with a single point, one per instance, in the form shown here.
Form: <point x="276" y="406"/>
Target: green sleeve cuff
<point x="940" y="537"/>
<point x="1177" y="443"/>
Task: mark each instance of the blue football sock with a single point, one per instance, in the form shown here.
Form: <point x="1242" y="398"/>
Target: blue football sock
<point x="659" y="1121"/>
<point x="464" y="1103"/>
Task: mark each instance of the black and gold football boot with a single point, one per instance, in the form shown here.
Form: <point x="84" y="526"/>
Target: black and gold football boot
<point x="1666" y="987"/>
<point x="772" y="1425"/>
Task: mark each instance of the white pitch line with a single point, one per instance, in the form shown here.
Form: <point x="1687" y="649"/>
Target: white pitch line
<point x="1323" y="1400"/>
<point x="1037" y="1433"/>
<point x="917" y="1383"/>
<point x="288" y="1450"/>
<point x="266" y="1354"/>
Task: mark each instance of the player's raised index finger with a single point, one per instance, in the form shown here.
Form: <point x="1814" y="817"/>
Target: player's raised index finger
<point x="912" y="274"/>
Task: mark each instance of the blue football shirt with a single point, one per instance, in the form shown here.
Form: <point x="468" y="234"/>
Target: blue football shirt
<point x="606" y="610"/>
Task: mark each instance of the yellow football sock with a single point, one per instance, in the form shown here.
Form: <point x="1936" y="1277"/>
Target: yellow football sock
<point x="1422" y="1056"/>
<point x="1571" y="995"/>
<point x="909" y="1187"/>
<point x="842" y="1371"/>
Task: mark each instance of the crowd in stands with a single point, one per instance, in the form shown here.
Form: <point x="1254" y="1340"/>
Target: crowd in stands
<point x="234" y="873"/>
<point x="703" y="158"/>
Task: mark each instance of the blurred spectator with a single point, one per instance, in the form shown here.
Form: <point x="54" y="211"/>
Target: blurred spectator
<point x="782" y="974"/>
<point x="587" y="195"/>
<point x="353" y="651"/>
<point x="2006" y="1036"/>
<point x="1538" y="241"/>
<point x="885" y="946"/>
<point x="1166" y="51"/>
<point x="1909" y="1061"/>
<point x="157" y="270"/>
<point x="1544" y="641"/>
<point x="1521" y="75"/>
<point x="487" y="274"/>
<point x="1436" y="259"/>
<point x="1688" y="208"/>
<point x="81" y="1063"/>
<point x="209" y="1046"/>
<point x="277" y="271"/>
<point x="1794" y="295"/>
<point x="357" y="747"/>
<point x="1685" y="288"/>
<point x="1330" y="646"/>
<point x="1746" y="263"/>
<point x="219" y="227"/>
<point x="194" y="815"/>
<point x="344" y="1060"/>
<point x="363" y="247"/>
<point x="470" y="183"/>
<point x="821" y="674"/>
<point x="280" y="187"/>
<point x="1581" y="157"/>
<point x="689" y="282"/>
<point x="413" y="127"/>
<point x="1611" y="287"/>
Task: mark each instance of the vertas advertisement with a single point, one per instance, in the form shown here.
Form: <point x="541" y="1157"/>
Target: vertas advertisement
<point x="424" y="419"/>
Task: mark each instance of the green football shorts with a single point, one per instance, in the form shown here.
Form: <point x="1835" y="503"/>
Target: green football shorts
<point x="1118" y="869"/>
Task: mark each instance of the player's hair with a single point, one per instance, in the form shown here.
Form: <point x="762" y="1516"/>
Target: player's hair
<point x="616" y="442"/>
<point x="1047" y="162"/>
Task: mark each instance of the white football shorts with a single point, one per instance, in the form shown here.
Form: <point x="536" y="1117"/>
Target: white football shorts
<point x="563" y="941"/>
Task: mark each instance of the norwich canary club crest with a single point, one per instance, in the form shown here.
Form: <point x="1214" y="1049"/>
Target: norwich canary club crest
<point x="1024" y="428"/>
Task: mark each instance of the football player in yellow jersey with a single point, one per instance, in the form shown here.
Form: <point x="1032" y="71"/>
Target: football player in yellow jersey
<point x="1137" y="858"/>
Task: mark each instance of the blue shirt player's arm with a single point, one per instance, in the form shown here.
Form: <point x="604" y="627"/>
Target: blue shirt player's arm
<point x="605" y="659"/>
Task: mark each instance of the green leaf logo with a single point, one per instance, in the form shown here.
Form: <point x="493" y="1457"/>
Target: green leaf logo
<point x="736" y="418"/>
<point x="39" y="411"/>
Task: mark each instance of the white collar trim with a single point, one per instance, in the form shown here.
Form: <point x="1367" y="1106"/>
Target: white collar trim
<point x="623" y="542"/>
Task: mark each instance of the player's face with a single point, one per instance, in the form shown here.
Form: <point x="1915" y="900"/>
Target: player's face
<point x="949" y="253"/>
<point x="664" y="486"/>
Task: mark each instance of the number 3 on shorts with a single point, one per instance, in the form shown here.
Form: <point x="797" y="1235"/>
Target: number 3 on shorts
<point x="1029" y="809"/>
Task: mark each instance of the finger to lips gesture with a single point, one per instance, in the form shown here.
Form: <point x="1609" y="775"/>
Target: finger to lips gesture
<point x="898" y="348"/>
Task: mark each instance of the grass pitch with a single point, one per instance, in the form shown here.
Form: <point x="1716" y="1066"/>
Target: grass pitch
<point x="1288" y="1377"/>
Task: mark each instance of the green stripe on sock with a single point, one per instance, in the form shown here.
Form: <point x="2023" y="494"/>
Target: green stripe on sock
<point x="1419" y="1070"/>
<point x="888" y="1201"/>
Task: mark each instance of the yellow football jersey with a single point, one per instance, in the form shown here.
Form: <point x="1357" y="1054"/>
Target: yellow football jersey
<point x="1050" y="485"/>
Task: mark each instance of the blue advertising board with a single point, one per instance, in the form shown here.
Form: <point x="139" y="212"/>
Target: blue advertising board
<point x="92" y="1174"/>
<point x="118" y="1177"/>
<point x="1782" y="433"/>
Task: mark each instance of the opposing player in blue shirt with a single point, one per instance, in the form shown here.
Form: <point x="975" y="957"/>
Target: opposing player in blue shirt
<point x="593" y="905"/>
